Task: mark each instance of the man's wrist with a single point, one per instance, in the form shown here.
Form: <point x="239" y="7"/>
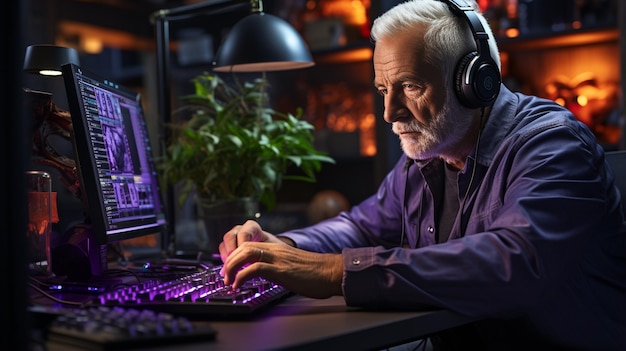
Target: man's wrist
<point x="287" y="241"/>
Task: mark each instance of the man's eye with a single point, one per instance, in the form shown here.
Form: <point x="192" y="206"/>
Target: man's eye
<point x="408" y="86"/>
<point x="382" y="92"/>
<point x="413" y="89"/>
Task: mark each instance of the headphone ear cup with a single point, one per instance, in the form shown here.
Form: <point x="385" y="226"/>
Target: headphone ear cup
<point x="462" y="87"/>
<point x="464" y="81"/>
<point x="477" y="81"/>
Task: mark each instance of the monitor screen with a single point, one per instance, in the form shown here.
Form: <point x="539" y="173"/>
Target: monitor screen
<point x="119" y="181"/>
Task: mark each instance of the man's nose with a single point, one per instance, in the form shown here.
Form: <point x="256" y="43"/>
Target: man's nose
<point x="392" y="104"/>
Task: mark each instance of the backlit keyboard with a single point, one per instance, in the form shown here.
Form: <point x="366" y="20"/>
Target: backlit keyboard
<point x="199" y="293"/>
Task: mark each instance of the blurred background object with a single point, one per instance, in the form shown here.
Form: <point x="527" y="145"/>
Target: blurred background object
<point x="326" y="204"/>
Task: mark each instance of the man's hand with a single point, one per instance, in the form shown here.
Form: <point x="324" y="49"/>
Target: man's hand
<point x="249" y="231"/>
<point x="249" y="252"/>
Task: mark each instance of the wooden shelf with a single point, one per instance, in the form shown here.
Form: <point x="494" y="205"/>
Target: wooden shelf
<point x="356" y="52"/>
<point x="560" y="40"/>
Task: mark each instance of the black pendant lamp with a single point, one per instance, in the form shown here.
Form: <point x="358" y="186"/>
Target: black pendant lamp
<point x="262" y="42"/>
<point x="47" y="60"/>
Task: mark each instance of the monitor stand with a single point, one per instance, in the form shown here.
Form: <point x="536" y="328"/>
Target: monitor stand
<point x="81" y="257"/>
<point x="79" y="266"/>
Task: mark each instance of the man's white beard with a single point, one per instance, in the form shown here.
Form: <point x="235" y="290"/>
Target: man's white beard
<point x="447" y="128"/>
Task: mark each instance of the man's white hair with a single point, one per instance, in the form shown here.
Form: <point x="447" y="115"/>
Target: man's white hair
<point x="448" y="36"/>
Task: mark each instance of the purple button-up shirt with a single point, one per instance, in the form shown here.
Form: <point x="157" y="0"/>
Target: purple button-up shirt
<point x="538" y="249"/>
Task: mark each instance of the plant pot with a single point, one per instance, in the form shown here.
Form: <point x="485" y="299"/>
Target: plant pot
<point x="219" y="217"/>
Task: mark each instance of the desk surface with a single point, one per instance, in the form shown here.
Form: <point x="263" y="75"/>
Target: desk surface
<point x="300" y="323"/>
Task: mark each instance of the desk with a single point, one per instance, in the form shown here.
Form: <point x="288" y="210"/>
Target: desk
<point x="301" y="324"/>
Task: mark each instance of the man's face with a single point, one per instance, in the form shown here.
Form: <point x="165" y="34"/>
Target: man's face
<point x="423" y="110"/>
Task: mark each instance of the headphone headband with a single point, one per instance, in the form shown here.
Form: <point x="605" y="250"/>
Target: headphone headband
<point x="477" y="77"/>
<point x="459" y="5"/>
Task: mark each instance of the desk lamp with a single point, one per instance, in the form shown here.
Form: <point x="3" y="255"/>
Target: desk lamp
<point x="51" y="135"/>
<point x="46" y="60"/>
<point x="259" y="42"/>
<point x="262" y="42"/>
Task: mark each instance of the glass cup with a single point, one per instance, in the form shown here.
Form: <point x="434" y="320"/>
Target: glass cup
<point x="40" y="218"/>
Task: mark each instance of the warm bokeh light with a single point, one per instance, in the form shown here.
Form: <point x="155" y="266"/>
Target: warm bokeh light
<point x="593" y="102"/>
<point x="91" y="45"/>
<point x="511" y="32"/>
<point x="353" y="12"/>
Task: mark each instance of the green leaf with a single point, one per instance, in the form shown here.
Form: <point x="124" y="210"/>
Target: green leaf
<point x="235" y="145"/>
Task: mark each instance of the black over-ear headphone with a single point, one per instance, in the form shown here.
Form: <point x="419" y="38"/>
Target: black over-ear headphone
<point x="477" y="77"/>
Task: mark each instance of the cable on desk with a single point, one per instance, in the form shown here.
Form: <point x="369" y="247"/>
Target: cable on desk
<point x="47" y="295"/>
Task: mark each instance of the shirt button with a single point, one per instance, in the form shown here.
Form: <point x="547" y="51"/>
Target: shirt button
<point x="431" y="229"/>
<point x="356" y="261"/>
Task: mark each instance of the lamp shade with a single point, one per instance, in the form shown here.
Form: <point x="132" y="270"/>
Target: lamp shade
<point x="48" y="59"/>
<point x="262" y="42"/>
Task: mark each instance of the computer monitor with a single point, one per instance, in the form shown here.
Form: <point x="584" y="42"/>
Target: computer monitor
<point x="118" y="178"/>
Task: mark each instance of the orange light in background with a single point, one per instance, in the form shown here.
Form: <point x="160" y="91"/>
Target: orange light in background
<point x="368" y="135"/>
<point x="504" y="63"/>
<point x="355" y="55"/>
<point x="311" y="4"/>
<point x="592" y="102"/>
<point x="511" y="32"/>
<point x="560" y="101"/>
<point x="353" y="12"/>
<point x="483" y="4"/>
<point x="91" y="45"/>
<point x="364" y="124"/>
<point x="511" y="9"/>
<point x="345" y="109"/>
<point x="341" y="107"/>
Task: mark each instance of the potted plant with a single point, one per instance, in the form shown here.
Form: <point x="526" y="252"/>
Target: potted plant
<point x="234" y="148"/>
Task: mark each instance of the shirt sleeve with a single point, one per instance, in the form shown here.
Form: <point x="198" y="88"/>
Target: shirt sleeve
<point x="375" y="221"/>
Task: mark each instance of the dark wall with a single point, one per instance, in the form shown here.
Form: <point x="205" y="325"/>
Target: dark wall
<point x="13" y="220"/>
